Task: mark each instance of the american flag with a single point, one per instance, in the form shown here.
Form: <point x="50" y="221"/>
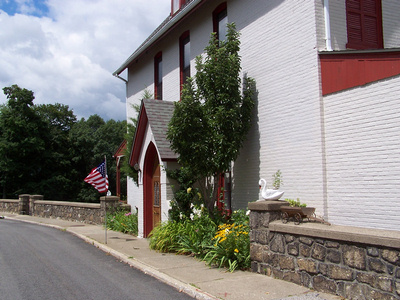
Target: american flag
<point x="98" y="178"/>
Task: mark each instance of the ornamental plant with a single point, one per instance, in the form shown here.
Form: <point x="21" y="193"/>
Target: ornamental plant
<point x="123" y="221"/>
<point x="185" y="237"/>
<point x="231" y="247"/>
<point x="211" y="121"/>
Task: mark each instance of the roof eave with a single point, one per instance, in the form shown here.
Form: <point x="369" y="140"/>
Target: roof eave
<point x="179" y="15"/>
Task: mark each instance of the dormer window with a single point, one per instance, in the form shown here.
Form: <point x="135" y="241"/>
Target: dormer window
<point x="177" y="5"/>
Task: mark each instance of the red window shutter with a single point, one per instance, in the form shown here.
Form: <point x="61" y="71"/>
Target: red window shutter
<point x="364" y="24"/>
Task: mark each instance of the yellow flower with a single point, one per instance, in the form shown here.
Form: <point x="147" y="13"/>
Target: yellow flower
<point x="236" y="250"/>
<point x="189" y="190"/>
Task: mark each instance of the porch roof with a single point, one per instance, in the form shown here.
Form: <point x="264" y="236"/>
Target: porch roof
<point x="157" y="114"/>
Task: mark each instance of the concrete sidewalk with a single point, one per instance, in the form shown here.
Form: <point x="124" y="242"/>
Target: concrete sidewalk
<point x="185" y="273"/>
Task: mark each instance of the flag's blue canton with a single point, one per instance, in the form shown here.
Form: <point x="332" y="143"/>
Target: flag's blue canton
<point x="102" y="170"/>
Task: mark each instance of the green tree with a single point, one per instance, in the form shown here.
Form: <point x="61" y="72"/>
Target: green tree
<point x="58" y="173"/>
<point x="91" y="139"/>
<point x="210" y="122"/>
<point x="21" y="143"/>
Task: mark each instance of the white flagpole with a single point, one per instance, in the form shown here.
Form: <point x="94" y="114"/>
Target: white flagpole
<point x="105" y="211"/>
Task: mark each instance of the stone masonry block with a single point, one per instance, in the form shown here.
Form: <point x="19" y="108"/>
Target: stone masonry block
<point x="390" y="255"/>
<point x="293" y="249"/>
<point x="368" y="278"/>
<point x="330" y="244"/>
<point x="305" y="250"/>
<point x="354" y="257"/>
<point x="256" y="252"/>
<point x="318" y="252"/>
<point x="286" y="262"/>
<point x="384" y="283"/>
<point x="306" y="240"/>
<point x="372" y="251"/>
<point x="333" y="256"/>
<point x="323" y="284"/>
<point x="289" y="238"/>
<point x="378" y="295"/>
<point x="292" y="277"/>
<point x="376" y="265"/>
<point x="340" y="273"/>
<point x="278" y="243"/>
<point x="307" y="265"/>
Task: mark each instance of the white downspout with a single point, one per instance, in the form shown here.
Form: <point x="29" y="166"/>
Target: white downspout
<point x="327" y="26"/>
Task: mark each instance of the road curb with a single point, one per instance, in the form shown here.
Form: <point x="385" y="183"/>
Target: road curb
<point x="146" y="269"/>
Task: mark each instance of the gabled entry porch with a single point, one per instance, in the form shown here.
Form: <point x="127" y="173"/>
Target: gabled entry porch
<point x="151" y="155"/>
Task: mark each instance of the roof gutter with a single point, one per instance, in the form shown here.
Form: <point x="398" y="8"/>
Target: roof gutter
<point x="179" y="15"/>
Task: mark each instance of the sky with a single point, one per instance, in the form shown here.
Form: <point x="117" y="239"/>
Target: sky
<point x="65" y="51"/>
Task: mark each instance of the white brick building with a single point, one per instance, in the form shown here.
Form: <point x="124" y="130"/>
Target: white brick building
<point x="328" y="105"/>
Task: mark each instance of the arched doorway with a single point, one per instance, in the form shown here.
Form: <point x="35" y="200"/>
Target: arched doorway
<point x="151" y="190"/>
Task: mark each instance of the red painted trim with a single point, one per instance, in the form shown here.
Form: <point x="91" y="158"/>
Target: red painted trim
<point x="362" y="13"/>
<point x="220" y="8"/>
<point x="120" y="150"/>
<point x="139" y="136"/>
<point x="150" y="158"/>
<point x="157" y="59"/>
<point x="182" y="42"/>
<point x="342" y="71"/>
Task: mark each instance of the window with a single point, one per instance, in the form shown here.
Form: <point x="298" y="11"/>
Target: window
<point x="220" y="20"/>
<point x="177" y="5"/>
<point x="158" y="76"/>
<point x="184" y="45"/>
<point x="364" y="24"/>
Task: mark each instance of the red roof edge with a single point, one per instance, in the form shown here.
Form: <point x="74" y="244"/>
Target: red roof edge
<point x="120" y="150"/>
<point x="139" y="135"/>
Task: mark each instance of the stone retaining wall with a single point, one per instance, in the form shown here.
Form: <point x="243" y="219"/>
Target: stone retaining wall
<point x="9" y="205"/>
<point x="80" y="212"/>
<point x="354" y="263"/>
<point x="92" y="213"/>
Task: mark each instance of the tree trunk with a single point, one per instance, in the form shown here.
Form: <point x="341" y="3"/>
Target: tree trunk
<point x="209" y="190"/>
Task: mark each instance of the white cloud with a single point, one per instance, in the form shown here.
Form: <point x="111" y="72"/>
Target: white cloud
<point x="68" y="55"/>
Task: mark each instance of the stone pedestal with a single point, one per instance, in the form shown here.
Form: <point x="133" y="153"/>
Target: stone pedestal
<point x="32" y="199"/>
<point x="109" y="203"/>
<point x="264" y="212"/>
<point x="23" y="206"/>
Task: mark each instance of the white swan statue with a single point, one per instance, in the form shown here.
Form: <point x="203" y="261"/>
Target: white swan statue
<point x="268" y="194"/>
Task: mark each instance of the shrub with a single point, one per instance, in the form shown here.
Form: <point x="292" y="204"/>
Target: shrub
<point x="231" y="247"/>
<point x="164" y="237"/>
<point x="185" y="237"/>
<point x="123" y="222"/>
<point x="222" y="244"/>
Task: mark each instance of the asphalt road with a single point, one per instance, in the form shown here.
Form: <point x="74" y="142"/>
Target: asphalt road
<point x="37" y="262"/>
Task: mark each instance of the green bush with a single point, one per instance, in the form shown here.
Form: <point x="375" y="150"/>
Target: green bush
<point x="185" y="237"/>
<point x="123" y="222"/>
<point x="231" y="244"/>
<point x="222" y="244"/>
<point x="164" y="237"/>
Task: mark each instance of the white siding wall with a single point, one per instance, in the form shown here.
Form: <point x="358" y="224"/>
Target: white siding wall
<point x="391" y="23"/>
<point x="280" y="53"/>
<point x="363" y="156"/>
